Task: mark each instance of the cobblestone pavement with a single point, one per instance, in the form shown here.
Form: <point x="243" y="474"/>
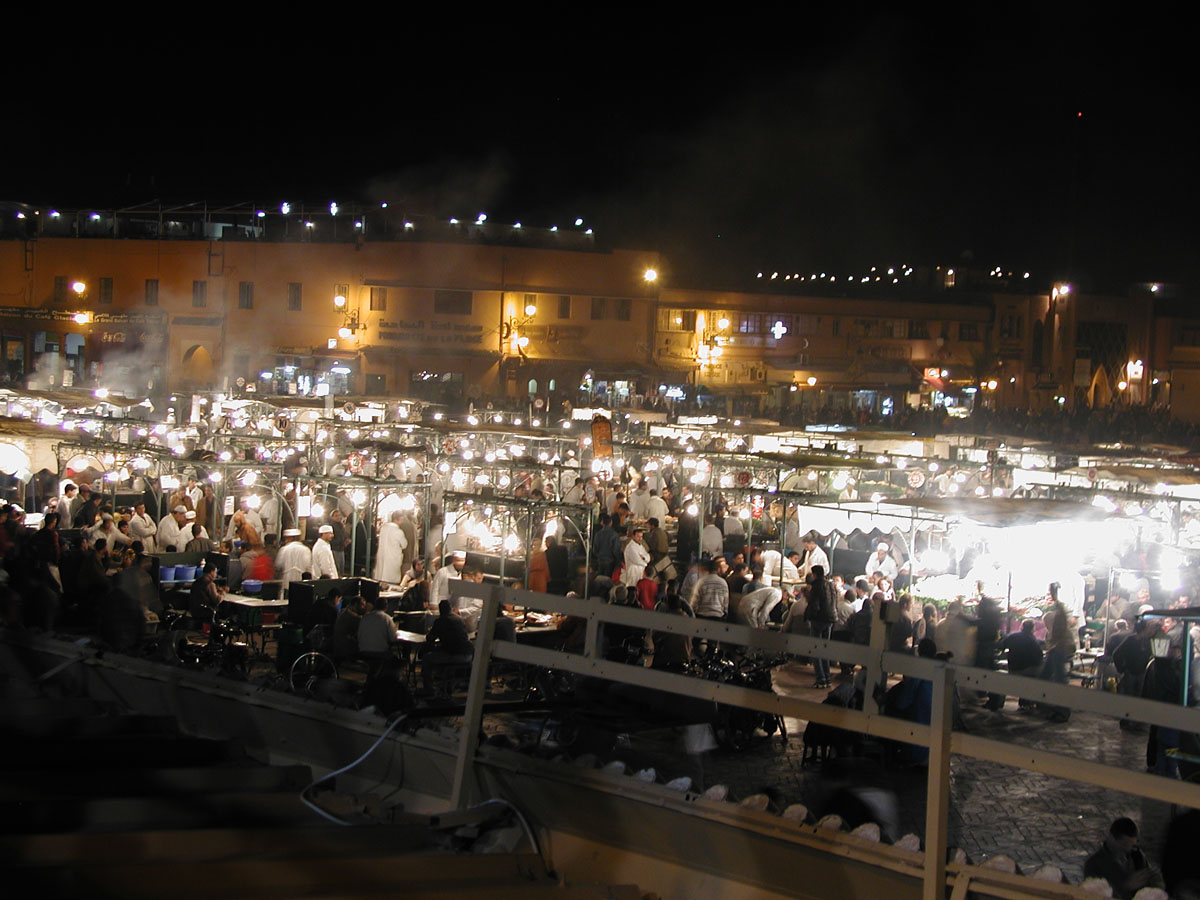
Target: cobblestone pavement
<point x="993" y="809"/>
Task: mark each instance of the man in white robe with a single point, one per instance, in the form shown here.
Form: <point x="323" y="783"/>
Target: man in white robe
<point x="389" y="564"/>
<point x="170" y="529"/>
<point x="143" y="527"/>
<point x="323" y="565"/>
<point x="293" y="559"/>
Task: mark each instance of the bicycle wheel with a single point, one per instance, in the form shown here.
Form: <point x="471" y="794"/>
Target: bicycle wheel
<point x="308" y="669"/>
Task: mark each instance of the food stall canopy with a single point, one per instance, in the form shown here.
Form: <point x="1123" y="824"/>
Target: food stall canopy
<point x="1003" y="512"/>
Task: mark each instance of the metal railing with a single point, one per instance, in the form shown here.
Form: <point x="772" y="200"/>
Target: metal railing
<point x="939" y="736"/>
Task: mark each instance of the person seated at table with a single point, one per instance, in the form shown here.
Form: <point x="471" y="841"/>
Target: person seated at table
<point x="470" y="608"/>
<point x="912" y="699"/>
<point x="1121" y="863"/>
<point x="1025" y="656"/>
<point x="446" y="644"/>
<point x="672" y="651"/>
<point x="377" y="637"/>
<point x="415" y="575"/>
<point x="205" y="596"/>
<point x="321" y="618"/>
<point x="345" y="629"/>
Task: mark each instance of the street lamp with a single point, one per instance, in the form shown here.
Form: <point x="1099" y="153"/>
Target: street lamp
<point x="350" y="322"/>
<point x="650" y="276"/>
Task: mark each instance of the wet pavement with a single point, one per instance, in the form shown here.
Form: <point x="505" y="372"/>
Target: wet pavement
<point x="1033" y="818"/>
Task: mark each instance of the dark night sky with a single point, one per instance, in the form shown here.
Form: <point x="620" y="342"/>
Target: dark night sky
<point x="832" y="142"/>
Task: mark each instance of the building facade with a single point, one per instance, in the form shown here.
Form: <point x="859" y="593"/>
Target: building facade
<point x="455" y="312"/>
<point x="426" y="319"/>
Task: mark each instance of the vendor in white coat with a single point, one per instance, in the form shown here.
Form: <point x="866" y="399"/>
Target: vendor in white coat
<point x="293" y="559"/>
<point x="637" y="557"/>
<point x="813" y="556"/>
<point x="389" y="564"/>
<point x="323" y="565"/>
<point x="170" y="529"/>
<point x="143" y="527"/>
<point x="881" y="561"/>
<point x="441" y="581"/>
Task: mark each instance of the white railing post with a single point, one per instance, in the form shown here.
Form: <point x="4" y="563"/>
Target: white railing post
<point x="463" y="791"/>
<point x="874" y="666"/>
<point x="937" y="796"/>
<point x="591" y="638"/>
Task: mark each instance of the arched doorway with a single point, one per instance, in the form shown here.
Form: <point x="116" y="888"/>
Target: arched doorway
<point x="198" y="365"/>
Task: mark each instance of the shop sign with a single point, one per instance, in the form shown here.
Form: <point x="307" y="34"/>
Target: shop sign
<point x="63" y="315"/>
<point x="433" y="332"/>
<point x="742" y="479"/>
<point x="916" y="479"/>
<point x="756" y="506"/>
<point x="601" y="437"/>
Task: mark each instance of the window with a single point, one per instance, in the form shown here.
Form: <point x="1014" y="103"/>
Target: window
<point x="893" y="328"/>
<point x="455" y="303"/>
<point x="564" y="307"/>
<point x="295" y="292"/>
<point x="341" y="290"/>
<point x="199" y="294"/>
<point x="530" y="300"/>
<point x="1010" y="325"/>
<point x="152" y="292"/>
<point x="60" y="288"/>
<point x="968" y="331"/>
<point x="624" y="309"/>
<point x="378" y="298"/>
<point x="245" y="295"/>
<point x="864" y="328"/>
<point x="597" y="309"/>
<point x="918" y="329"/>
<point x="837" y="327"/>
<point x="677" y="319"/>
<point x="1189" y="336"/>
<point x="804" y="324"/>
<point x="104" y="295"/>
<point x="750" y="323"/>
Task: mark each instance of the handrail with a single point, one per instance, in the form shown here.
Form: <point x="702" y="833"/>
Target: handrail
<point x="938" y="736"/>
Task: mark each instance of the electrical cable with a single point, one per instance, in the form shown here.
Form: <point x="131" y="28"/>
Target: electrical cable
<point x="332" y="818"/>
<point x="494" y="801"/>
<point x="520" y="817"/>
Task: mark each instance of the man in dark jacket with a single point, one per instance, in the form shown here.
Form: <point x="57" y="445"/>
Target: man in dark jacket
<point x="606" y="547"/>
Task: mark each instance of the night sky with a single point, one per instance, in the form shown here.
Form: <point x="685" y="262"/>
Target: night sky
<point x="815" y="143"/>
